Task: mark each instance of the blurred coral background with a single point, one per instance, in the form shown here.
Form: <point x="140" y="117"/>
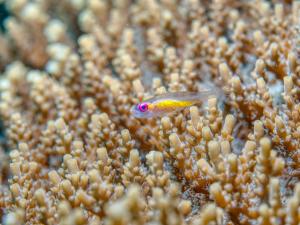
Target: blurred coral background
<point x="71" y="152"/>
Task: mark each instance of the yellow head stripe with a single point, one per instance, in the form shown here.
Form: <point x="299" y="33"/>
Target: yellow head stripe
<point x="150" y="106"/>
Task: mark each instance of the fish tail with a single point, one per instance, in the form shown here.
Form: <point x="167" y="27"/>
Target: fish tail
<point x="216" y="92"/>
<point x="213" y="90"/>
<point x="209" y="93"/>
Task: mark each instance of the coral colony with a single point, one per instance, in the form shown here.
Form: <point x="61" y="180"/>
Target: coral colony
<point x="72" y="152"/>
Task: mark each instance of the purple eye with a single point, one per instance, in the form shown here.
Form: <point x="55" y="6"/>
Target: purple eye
<point x="143" y="107"/>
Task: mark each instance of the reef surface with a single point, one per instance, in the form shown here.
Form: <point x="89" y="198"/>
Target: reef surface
<point x="72" y="153"/>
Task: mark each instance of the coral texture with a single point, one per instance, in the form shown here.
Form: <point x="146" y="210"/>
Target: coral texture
<point x="73" y="154"/>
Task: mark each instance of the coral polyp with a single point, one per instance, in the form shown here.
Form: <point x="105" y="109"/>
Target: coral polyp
<point x="71" y="151"/>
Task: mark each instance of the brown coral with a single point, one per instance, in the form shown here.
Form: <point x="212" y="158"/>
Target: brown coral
<point x="73" y="153"/>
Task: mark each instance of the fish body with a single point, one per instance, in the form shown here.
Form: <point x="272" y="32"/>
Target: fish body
<point x="169" y="102"/>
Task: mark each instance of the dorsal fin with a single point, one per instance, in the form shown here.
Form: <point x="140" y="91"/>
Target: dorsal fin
<point x="183" y="96"/>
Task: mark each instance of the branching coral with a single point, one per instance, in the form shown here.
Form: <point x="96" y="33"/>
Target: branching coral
<point x="72" y="153"/>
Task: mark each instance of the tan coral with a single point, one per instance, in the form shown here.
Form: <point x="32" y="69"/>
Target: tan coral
<point x="72" y="151"/>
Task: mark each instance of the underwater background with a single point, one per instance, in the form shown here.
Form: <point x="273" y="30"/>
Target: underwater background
<point x="73" y="151"/>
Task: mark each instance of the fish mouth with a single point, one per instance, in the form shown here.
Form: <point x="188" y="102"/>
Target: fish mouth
<point x="136" y="113"/>
<point x="133" y="109"/>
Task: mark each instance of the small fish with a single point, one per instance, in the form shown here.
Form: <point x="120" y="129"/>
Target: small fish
<point x="169" y="102"/>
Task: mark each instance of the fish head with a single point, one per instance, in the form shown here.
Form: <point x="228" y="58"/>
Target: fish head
<point x="141" y="110"/>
